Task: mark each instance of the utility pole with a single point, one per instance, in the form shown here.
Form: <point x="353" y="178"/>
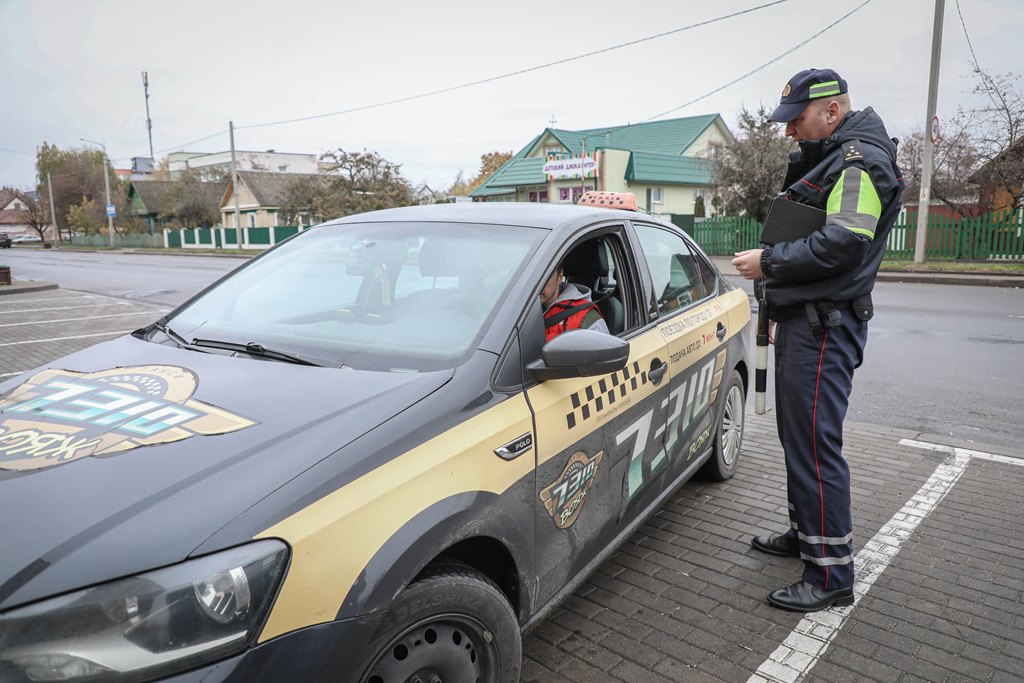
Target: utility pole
<point x="106" y="187"/>
<point x="53" y="212"/>
<point x="583" y="174"/>
<point x="234" y="183"/>
<point x="926" y="167"/>
<point x="149" y="122"/>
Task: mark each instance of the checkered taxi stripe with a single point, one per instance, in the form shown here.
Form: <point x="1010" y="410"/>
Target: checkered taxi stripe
<point x="604" y="393"/>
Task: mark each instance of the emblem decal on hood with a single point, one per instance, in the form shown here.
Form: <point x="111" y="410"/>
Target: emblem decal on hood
<point x="58" y="416"/>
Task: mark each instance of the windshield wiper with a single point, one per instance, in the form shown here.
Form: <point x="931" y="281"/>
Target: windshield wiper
<point x="254" y="349"/>
<point x="161" y="325"/>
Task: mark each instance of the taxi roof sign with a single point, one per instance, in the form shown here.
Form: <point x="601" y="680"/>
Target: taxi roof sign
<point x="610" y="200"/>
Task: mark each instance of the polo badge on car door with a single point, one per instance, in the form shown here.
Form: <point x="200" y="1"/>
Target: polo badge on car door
<point x="58" y="416"/>
<point x="564" y="499"/>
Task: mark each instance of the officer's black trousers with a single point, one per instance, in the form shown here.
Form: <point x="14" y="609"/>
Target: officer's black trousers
<point x="813" y="379"/>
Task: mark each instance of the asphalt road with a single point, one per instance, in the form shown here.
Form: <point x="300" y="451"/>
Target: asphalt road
<point x="151" y="278"/>
<point x="941" y="359"/>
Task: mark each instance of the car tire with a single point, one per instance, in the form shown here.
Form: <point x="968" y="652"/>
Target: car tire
<point x="451" y="624"/>
<point x="728" y="440"/>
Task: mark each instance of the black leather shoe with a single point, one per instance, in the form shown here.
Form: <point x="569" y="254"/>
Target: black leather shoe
<point x="805" y="597"/>
<point x="779" y="544"/>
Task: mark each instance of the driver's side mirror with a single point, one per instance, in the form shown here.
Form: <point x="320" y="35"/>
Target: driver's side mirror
<point x="580" y="353"/>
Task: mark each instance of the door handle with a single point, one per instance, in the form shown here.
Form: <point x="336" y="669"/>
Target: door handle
<point x="720" y="332"/>
<point x="657" y="371"/>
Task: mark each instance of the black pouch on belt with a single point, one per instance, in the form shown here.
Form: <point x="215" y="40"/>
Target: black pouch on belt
<point x="863" y="308"/>
<point x="830" y="315"/>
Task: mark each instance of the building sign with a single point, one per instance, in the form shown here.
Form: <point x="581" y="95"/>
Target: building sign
<point x="570" y="166"/>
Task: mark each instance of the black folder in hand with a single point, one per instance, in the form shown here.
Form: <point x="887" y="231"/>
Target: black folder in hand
<point x="788" y="221"/>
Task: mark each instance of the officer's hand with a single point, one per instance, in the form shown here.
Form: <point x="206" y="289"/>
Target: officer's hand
<point x="748" y="263"/>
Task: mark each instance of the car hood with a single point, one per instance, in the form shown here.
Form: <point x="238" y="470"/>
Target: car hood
<point x="111" y="467"/>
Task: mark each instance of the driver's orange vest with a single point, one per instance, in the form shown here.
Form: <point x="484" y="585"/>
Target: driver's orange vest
<point x="566" y="315"/>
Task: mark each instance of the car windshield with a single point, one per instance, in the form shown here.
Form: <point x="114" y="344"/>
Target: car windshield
<point x="376" y="296"/>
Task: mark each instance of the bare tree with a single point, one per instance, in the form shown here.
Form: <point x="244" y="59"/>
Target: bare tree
<point x="352" y="182"/>
<point x="956" y="157"/>
<point x="36" y="213"/>
<point x="999" y="130"/>
<point x="749" y="173"/>
<point x="188" y="203"/>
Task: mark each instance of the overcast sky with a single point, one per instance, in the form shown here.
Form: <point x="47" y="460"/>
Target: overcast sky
<point x="72" y="69"/>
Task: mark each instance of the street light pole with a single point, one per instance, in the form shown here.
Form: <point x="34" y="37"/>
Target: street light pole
<point x="106" y="188"/>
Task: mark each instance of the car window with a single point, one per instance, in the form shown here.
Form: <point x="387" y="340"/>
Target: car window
<point x="708" y="276"/>
<point x="675" y="270"/>
<point x="402" y="297"/>
<point x="598" y="264"/>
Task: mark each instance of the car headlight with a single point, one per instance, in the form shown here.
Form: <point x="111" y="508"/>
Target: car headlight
<point x="146" y="625"/>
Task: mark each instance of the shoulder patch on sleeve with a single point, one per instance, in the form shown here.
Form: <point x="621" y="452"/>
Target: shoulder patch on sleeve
<point x="852" y="151"/>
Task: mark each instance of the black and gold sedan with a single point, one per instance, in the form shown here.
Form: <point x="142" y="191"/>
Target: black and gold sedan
<point x="358" y="457"/>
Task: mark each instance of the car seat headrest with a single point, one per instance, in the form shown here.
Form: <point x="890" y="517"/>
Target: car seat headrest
<point x="588" y="260"/>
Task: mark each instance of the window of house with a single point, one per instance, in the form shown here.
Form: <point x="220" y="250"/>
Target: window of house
<point x="553" y="149"/>
<point x="675" y="269"/>
<point x="538" y="195"/>
<point x="657" y="195"/>
<point x="252" y="220"/>
<point x="577" y="192"/>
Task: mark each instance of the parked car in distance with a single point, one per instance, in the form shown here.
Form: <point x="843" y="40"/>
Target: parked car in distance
<point x="5" y="241"/>
<point x="365" y="456"/>
<point x="21" y="239"/>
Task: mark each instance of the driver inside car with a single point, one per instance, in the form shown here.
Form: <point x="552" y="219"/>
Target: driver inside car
<point x="568" y="306"/>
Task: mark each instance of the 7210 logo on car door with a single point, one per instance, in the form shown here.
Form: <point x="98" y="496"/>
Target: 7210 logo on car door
<point x="564" y="499"/>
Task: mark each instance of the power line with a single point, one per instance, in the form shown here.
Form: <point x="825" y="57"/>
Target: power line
<point x="181" y="146"/>
<point x="985" y="79"/>
<point x="14" y="151"/>
<point x="967" y="36"/>
<point x="763" y="66"/>
<point x="512" y="73"/>
<point x="603" y="132"/>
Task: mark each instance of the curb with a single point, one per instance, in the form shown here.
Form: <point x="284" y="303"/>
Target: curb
<point x="980" y="280"/>
<point x="909" y="277"/>
<point x="20" y="287"/>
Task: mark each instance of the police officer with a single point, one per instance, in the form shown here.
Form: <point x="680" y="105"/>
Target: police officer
<point x="818" y="291"/>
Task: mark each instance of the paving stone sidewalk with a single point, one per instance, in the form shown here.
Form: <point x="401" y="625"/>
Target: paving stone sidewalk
<point x="684" y="599"/>
<point x="37" y="326"/>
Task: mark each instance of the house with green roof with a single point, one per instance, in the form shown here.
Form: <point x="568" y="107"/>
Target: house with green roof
<point x="666" y="164"/>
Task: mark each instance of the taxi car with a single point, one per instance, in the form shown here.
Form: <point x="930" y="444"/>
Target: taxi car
<point x="356" y="457"/>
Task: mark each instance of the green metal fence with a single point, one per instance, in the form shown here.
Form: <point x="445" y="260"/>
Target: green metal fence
<point x="227" y="238"/>
<point x="992" y="236"/>
<point x="132" y="241"/>
<point x="725" y="235"/>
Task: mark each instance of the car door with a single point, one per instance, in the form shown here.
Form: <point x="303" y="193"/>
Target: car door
<point x="694" y="325"/>
<point x="595" y="437"/>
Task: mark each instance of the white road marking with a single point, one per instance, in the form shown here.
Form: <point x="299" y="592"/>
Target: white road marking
<point x="78" y="336"/>
<point x="980" y="455"/>
<point x="800" y="651"/>
<point x="71" y="308"/>
<point x="68" y="320"/>
<point x="19" y="300"/>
